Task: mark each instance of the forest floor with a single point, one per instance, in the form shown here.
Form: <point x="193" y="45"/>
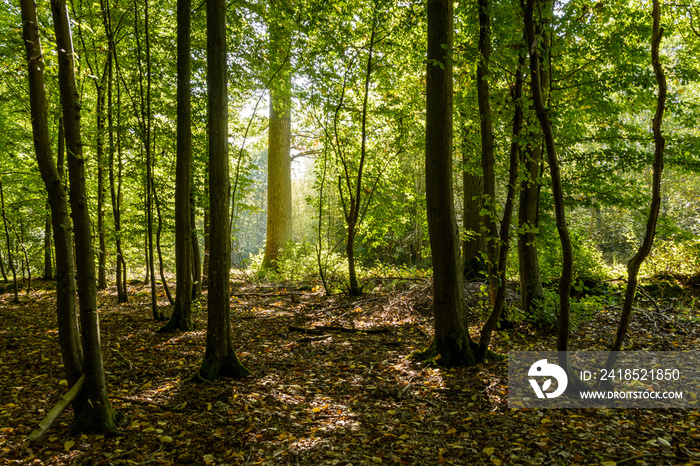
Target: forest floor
<point x="330" y="396"/>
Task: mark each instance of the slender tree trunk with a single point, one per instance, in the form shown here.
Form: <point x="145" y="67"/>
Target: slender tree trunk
<point x="181" y="318"/>
<point x="557" y="190"/>
<point x="219" y="357"/>
<point x="659" y="143"/>
<point x="9" y="245"/>
<point x="161" y="270"/>
<point x="66" y="303"/>
<point x="101" y="235"/>
<point x="207" y="241"/>
<point x="25" y="264"/>
<point x="504" y="234"/>
<point x="279" y="162"/>
<point x="531" y="291"/>
<point x="474" y="241"/>
<point x="97" y="413"/>
<point x="2" y="269"/>
<point x="488" y="162"/>
<point x="48" y="266"/>
<point x="196" y="259"/>
<point x="146" y="128"/>
<point x="452" y="344"/>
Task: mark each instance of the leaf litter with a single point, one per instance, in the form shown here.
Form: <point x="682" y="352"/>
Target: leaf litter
<point x="351" y="397"/>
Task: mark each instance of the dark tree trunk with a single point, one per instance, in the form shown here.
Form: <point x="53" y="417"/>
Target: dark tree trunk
<point x="66" y="303"/>
<point x="184" y="229"/>
<point x="48" y="266"/>
<point x="2" y="268"/>
<point x="504" y="234"/>
<point x="161" y="270"/>
<point x="101" y="234"/>
<point x="487" y="156"/>
<point x="207" y="241"/>
<point x="219" y="357"/>
<point x="97" y="413"/>
<point x="474" y="242"/>
<point x="557" y="190"/>
<point x="9" y="244"/>
<point x="452" y="344"/>
<point x="531" y="292"/>
<point x="659" y="144"/>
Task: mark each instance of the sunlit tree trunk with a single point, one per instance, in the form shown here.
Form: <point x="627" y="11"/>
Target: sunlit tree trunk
<point x="279" y="164"/>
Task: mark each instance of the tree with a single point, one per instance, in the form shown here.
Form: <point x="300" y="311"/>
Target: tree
<point x="279" y="162"/>
<point x="659" y="143"/>
<point x="97" y="412"/>
<point x="181" y="318"/>
<point x="66" y="303"/>
<point x="451" y="345"/>
<point x="219" y="357"/>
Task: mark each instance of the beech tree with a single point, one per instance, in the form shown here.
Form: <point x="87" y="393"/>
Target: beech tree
<point x="97" y="413"/>
<point x="279" y="162"/>
<point x="219" y="357"/>
<point x="451" y="344"/>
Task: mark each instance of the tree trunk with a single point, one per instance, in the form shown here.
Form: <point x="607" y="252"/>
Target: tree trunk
<point x="659" y="143"/>
<point x="161" y="270"/>
<point x="487" y="156"/>
<point x="101" y="235"/>
<point x="97" y="413"/>
<point x="474" y="243"/>
<point x="279" y="162"/>
<point x="9" y="245"/>
<point x="146" y="129"/>
<point x="207" y="241"/>
<point x="196" y="259"/>
<point x="25" y="264"/>
<point x="2" y="268"/>
<point x="219" y="357"/>
<point x="181" y="318"/>
<point x="504" y="234"/>
<point x="531" y="292"/>
<point x="48" y="266"/>
<point x="451" y="345"/>
<point x="557" y="190"/>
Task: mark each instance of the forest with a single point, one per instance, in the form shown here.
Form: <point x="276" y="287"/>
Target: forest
<point x="309" y="232"/>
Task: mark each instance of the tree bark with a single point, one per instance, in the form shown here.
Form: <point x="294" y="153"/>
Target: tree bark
<point x="279" y="162"/>
<point x="504" y="234"/>
<point x="48" y="266"/>
<point x="557" y="191"/>
<point x="9" y="245"/>
<point x="97" y="413"/>
<point x="181" y="318"/>
<point x="487" y="156"/>
<point x="219" y="357"/>
<point x="659" y="143"/>
<point x="451" y="345"/>
<point x="196" y="259"/>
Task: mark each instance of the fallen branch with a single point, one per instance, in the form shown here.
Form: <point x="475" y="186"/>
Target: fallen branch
<point x="319" y="329"/>
<point x="51" y="417"/>
<point x="316" y="338"/>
